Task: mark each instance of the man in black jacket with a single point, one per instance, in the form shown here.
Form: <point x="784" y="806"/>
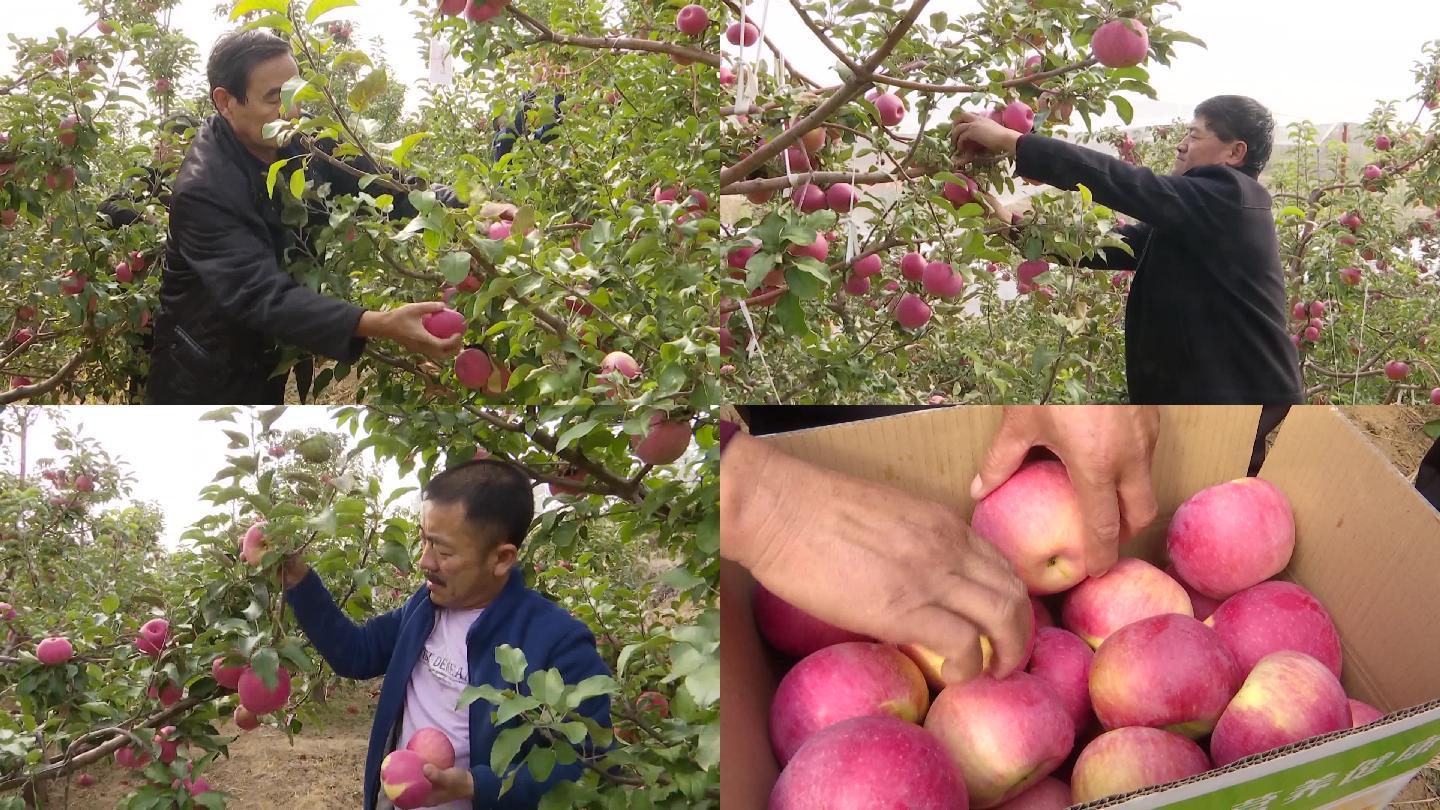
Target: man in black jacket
<point x="225" y="298"/>
<point x="1205" y="319"/>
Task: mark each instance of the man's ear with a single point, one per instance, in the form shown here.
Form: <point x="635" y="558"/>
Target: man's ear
<point x="1238" y="150"/>
<point x="504" y="558"/>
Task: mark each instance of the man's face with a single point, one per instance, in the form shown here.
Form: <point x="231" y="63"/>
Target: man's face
<point x="462" y="569"/>
<point x="1202" y="147"/>
<point x="261" y="105"/>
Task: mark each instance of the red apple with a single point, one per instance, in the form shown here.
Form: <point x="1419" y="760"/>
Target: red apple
<point x="1018" y="116"/>
<point x="791" y="630"/>
<point x="444" y="324"/>
<point x="940" y="279"/>
<point x="891" y="108"/>
<point x="1004" y="736"/>
<point x="867" y="266"/>
<point x="912" y="266"/>
<point x="228" y="677"/>
<point x="857" y="285"/>
<point x="1200" y="604"/>
<point x="866" y="763"/>
<point x="1168" y="671"/>
<point x="1120" y="43"/>
<point x="1127" y="759"/>
<point x="1062" y="659"/>
<point x="1397" y="370"/>
<point x="252" y="544"/>
<point x="961" y="193"/>
<point x="259" y="698"/>
<point x="1287" y="697"/>
<point x="473" y="368"/>
<point x="841" y="197"/>
<point x="433" y="746"/>
<point x="1371" y="172"/>
<point x="1362" y="713"/>
<point x="665" y="442"/>
<point x="744" y="34"/>
<point x="911" y="311"/>
<point x="482" y="12"/>
<point x="1047" y="794"/>
<point x="1229" y="536"/>
<point x="1034" y="520"/>
<point x="692" y="20"/>
<point x="1275" y="616"/>
<point x="1130" y="591"/>
<point x="816" y="250"/>
<point x="809" y="198"/>
<point x="55" y="651"/>
<point x="1382" y="143"/>
<point x="852" y="679"/>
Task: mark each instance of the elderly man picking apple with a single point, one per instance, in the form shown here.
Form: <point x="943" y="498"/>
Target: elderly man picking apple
<point x="472" y="521"/>
<point x="1205" y="319"/>
<point x="227" y="299"/>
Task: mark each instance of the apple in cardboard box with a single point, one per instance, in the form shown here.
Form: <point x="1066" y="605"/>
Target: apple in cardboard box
<point x="853" y="679"/>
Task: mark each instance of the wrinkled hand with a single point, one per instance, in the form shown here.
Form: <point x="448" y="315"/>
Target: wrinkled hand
<point x="871" y="559"/>
<point x="1107" y="451"/>
<point x="498" y="210"/>
<point x="403" y="325"/>
<point x="976" y="129"/>
<point x="449" y="785"/>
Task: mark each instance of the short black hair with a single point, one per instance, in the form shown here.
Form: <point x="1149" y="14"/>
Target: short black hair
<point x="237" y="53"/>
<point x="1241" y="118"/>
<point x="496" y="494"/>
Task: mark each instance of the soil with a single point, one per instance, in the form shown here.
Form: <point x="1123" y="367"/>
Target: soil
<point x="324" y="769"/>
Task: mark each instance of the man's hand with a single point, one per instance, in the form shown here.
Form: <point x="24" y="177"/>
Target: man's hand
<point x="292" y="571"/>
<point x="871" y="559"/>
<point x="976" y="129"/>
<point x="449" y="785"/>
<point x="498" y="210"/>
<point x="403" y="326"/>
<point x="1106" y="450"/>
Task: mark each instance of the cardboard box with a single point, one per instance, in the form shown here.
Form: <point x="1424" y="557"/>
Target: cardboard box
<point x="1367" y="545"/>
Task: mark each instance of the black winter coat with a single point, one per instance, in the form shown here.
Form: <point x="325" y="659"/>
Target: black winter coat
<point x="1206" y="318"/>
<point x="225" y="298"/>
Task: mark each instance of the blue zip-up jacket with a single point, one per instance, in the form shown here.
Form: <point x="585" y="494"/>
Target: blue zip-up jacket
<point x="390" y="645"/>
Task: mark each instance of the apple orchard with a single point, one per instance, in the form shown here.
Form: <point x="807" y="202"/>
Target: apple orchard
<point x="604" y="246"/>
<point x="868" y="260"/>
<point x="136" y="654"/>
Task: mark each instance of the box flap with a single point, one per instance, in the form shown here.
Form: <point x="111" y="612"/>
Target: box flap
<point x="1362" y="530"/>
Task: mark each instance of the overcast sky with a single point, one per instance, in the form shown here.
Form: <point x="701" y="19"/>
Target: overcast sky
<point x="383" y="25"/>
<point x="1302" y="59"/>
<point x="170" y="453"/>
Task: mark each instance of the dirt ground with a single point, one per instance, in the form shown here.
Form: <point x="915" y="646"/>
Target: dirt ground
<point x="324" y="770"/>
<point x="1398" y="431"/>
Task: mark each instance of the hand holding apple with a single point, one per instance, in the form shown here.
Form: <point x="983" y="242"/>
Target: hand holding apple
<point x="986" y="132"/>
<point x="1106" y="451"/>
<point x="449" y="784"/>
<point x="805" y="532"/>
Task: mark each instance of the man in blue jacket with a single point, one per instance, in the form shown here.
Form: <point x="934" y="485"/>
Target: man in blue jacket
<point x="473" y="518"/>
<point x="1205" y="321"/>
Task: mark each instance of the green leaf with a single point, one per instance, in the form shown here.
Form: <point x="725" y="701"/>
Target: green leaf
<point x="319" y="8"/>
<point x="297" y="184"/>
<point x="367" y="90"/>
<point x="573" y="433"/>
<point x="246" y="6"/>
<point x="704" y="684"/>
<point x="540" y="761"/>
<point x="575" y="730"/>
<point x="680" y="579"/>
<point x="593" y="686"/>
<point x="1432" y="428"/>
<point x="513" y="707"/>
<point x="707" y="754"/>
<point x="707" y="534"/>
<point x="512" y="663"/>
<point x="506" y="746"/>
<point x="401" y="153"/>
<point x="455" y="266"/>
<point x="1123" y="108"/>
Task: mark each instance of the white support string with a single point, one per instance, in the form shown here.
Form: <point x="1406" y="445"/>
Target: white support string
<point x="753" y="347"/>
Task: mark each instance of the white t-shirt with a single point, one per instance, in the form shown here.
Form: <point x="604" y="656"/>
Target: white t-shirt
<point x="440" y="674"/>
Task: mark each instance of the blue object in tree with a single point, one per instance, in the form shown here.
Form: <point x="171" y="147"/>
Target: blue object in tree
<point x="505" y="138"/>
